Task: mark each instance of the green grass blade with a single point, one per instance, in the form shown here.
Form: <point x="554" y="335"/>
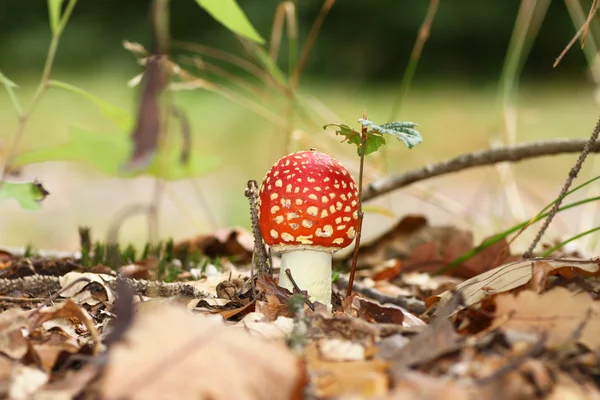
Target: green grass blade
<point x="230" y="15"/>
<point x="490" y="241"/>
<point x="561" y="244"/>
<point x="121" y="118"/>
<point x="10" y="86"/>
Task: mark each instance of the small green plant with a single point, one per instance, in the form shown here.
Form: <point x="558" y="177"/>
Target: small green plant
<point x="369" y="140"/>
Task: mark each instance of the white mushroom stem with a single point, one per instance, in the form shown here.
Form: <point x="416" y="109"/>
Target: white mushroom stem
<point x="311" y="270"/>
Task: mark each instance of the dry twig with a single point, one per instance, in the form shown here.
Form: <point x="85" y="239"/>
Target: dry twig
<point x="477" y="159"/>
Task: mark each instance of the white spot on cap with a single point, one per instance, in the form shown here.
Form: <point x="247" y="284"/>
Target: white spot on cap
<point x="274" y="234"/>
<point x="326" y="179"/>
<point x="343" y="196"/>
<point x="347" y="209"/>
<point x="312" y="211"/>
<point x="299" y="202"/>
<point x="291" y="216"/>
<point x="338" y="220"/>
<point x="305" y="239"/>
<point x="338" y="241"/>
<point x="276" y="173"/>
<point x="355" y="215"/>
<point x="353" y="203"/>
<point x="296" y="189"/>
<point x="278" y="183"/>
<point x="307" y="223"/>
<point x="327" y="231"/>
<point x="332" y="196"/>
<point x="324" y="199"/>
<point x="274" y="196"/>
<point x="278" y="219"/>
<point x="338" y="205"/>
<point x="312" y="196"/>
<point x="324" y="213"/>
<point x="311" y="180"/>
<point x="274" y="209"/>
<point x="288" y="188"/>
<point x="305" y="190"/>
<point x="318" y="188"/>
<point x="344" y="185"/>
<point x="351" y="233"/>
<point x="340" y="227"/>
<point x="332" y="208"/>
<point x="287" y="237"/>
<point x="294" y="226"/>
<point x="347" y="219"/>
<point x="336" y="186"/>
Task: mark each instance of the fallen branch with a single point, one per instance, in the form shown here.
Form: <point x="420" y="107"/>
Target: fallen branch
<point x="413" y="305"/>
<point x="40" y="286"/>
<point x="476" y="159"/>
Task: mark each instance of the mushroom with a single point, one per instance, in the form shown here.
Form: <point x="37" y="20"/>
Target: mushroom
<point x="308" y="209"/>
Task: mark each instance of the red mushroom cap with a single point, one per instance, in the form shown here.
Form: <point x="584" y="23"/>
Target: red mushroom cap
<point x="308" y="200"/>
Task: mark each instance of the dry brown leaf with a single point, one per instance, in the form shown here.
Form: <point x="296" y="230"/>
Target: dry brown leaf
<point x="77" y="292"/>
<point x="416" y="385"/>
<point x="332" y="378"/>
<point x="507" y="277"/>
<point x="559" y="315"/>
<point x="226" y="242"/>
<point x="71" y="312"/>
<point x="12" y="340"/>
<point x="25" y="381"/>
<point x="170" y="353"/>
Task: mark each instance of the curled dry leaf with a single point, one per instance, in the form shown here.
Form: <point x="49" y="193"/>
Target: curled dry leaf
<point x="559" y="315"/>
<point x="511" y="276"/>
<point x="79" y="292"/>
<point x="12" y="339"/>
<point x="72" y="317"/>
<point x="170" y="353"/>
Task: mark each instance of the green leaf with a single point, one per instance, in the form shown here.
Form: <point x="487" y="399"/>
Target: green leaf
<point x="54" y="14"/>
<point x="403" y="131"/>
<point x="10" y="86"/>
<point x="121" y="118"/>
<point x="28" y="194"/>
<point x="229" y="13"/>
<point x="107" y="152"/>
<point x="373" y="143"/>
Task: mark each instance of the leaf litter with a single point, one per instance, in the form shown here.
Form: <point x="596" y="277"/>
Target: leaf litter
<point x="494" y="327"/>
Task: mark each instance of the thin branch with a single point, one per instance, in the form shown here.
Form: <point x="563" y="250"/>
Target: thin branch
<point x="415" y="55"/>
<point x="591" y="143"/>
<point x="476" y="159"/>
<point x="413" y="305"/>
<point x="310" y="41"/>
<point x="583" y="28"/>
<point x="41" y="89"/>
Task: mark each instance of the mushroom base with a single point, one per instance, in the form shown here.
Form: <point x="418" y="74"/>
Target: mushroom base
<point x="311" y="270"/>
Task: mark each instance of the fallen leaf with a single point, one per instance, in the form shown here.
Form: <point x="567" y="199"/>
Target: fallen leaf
<point x="71" y="312"/>
<point x="226" y="242"/>
<point x="340" y="350"/>
<point x="13" y="342"/>
<point x="372" y="312"/>
<point x="333" y="379"/>
<point x="558" y="314"/>
<point x="78" y="293"/>
<point x="507" y="277"/>
<point x="169" y="352"/>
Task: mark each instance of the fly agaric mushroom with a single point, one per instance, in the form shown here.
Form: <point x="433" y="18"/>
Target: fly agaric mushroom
<point x="308" y="209"/>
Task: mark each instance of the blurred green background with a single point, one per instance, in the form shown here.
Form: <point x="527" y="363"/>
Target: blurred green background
<point x="357" y="63"/>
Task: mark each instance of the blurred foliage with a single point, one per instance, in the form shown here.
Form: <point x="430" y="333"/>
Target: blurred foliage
<point x="366" y="42"/>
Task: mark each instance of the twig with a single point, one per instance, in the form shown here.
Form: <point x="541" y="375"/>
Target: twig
<point x="310" y="41"/>
<point x="363" y="145"/>
<point x="297" y="289"/>
<point x="583" y="28"/>
<point x="415" y="55"/>
<point x="476" y="159"/>
<point x="415" y="306"/>
<point x="44" y="285"/>
<point x="572" y="175"/>
<point x="259" y="247"/>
